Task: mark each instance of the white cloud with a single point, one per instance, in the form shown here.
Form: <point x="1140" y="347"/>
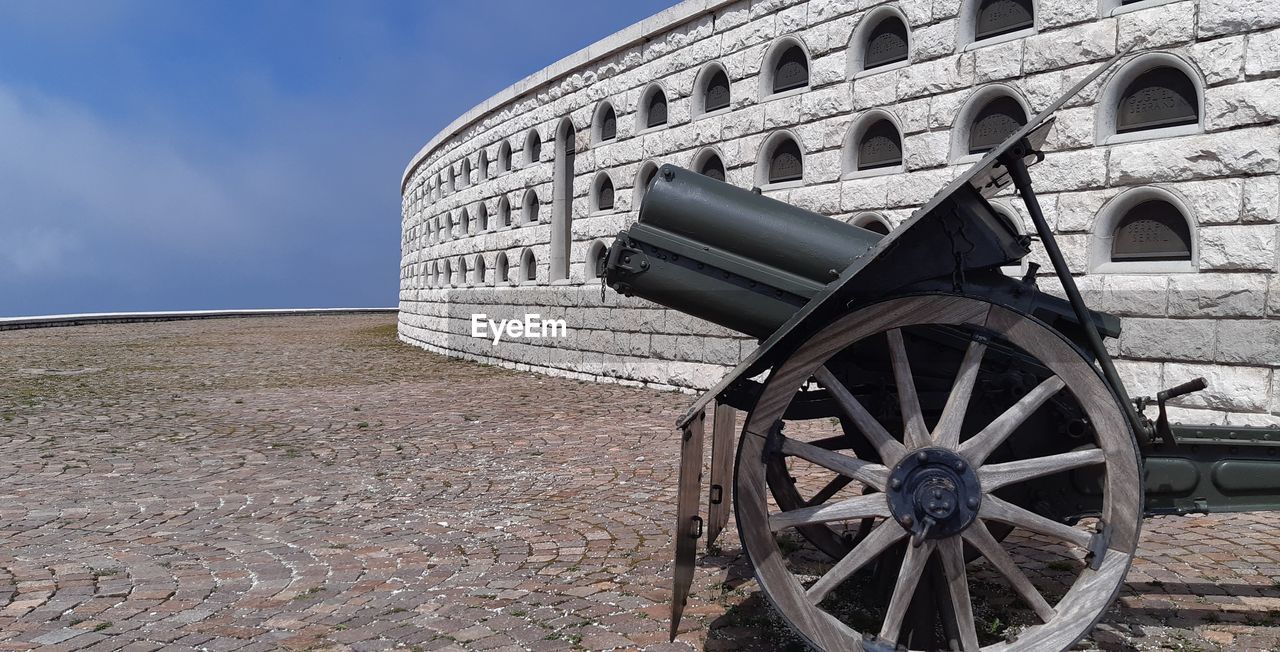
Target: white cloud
<point x="38" y="251"/>
<point x="60" y="164"/>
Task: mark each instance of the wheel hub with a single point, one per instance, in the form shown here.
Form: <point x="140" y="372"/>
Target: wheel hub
<point x="934" y="493"/>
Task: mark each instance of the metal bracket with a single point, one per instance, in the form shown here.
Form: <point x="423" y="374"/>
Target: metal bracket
<point x="1162" y="421"/>
<point x="1098" y="544"/>
<point x="772" y="443"/>
<point x="696" y="520"/>
<point x="628" y="259"/>
<point x="716" y="494"/>
<point x="873" y="643"/>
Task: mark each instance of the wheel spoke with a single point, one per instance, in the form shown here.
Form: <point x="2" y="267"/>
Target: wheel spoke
<point x="980" y="537"/>
<point x="947" y="432"/>
<point x="832" y="443"/>
<point x="850" y="508"/>
<point x="876" y="542"/>
<point x="913" y="564"/>
<point x="979" y="446"/>
<point x="875" y="475"/>
<point x="915" y="434"/>
<point x="994" y="476"/>
<point x="890" y="449"/>
<point x="837" y="483"/>
<point x="996" y="509"/>
<point x="951" y="550"/>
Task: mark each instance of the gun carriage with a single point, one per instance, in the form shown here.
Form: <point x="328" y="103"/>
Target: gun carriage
<point x="965" y="403"/>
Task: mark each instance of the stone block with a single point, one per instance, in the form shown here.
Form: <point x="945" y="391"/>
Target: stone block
<point x="933" y="41"/>
<point x="1078" y="170"/>
<point x="756" y="32"/>
<point x="913" y="116"/>
<point x="1236" y="105"/>
<point x="858" y="195"/>
<point x="830" y="36"/>
<point x="1261" y="200"/>
<point x="1238" y="248"/>
<point x="915" y="188"/>
<point x="880" y="89"/>
<point x="741" y="66"/>
<point x="1245" y="151"/>
<point x="823" y="10"/>
<point x="1273" y="297"/>
<point x="1219" y="17"/>
<point x="1200" y="417"/>
<point x="1072" y="129"/>
<point x="745" y="121"/>
<point x="1158" y="27"/>
<point x="824" y="199"/>
<point x="926" y="150"/>
<point x="1239" y="389"/>
<point x="812" y="138"/>
<point x="918" y="12"/>
<point x="675" y="39"/>
<point x="1071" y="46"/>
<point x="690" y="135"/>
<point x="945" y="9"/>
<point x="1061" y="13"/>
<point x="829" y="69"/>
<point x="944" y="108"/>
<point x="1140" y="378"/>
<point x="1075" y="251"/>
<point x="694" y="375"/>
<point x="1216" y="201"/>
<point x="1044" y="88"/>
<point x="1078" y="210"/>
<point x="712" y="350"/>
<point x="1217" y="295"/>
<point x="1275" y="393"/>
<point x="824" y="103"/>
<point x="1140" y="295"/>
<point x="1168" y="339"/>
<point x="1253" y="341"/>
<point x="792" y="20"/>
<point x="1262" y="54"/>
<point x="824" y="167"/>
<point x="1221" y="60"/>
<point x="937" y="76"/>
<point x="996" y="62"/>
<point x="782" y="112"/>
<point x="1254" y="420"/>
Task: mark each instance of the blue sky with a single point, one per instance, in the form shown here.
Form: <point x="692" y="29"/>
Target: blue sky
<point x="159" y="155"/>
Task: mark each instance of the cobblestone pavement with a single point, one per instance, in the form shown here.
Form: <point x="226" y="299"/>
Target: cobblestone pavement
<point x="311" y="483"/>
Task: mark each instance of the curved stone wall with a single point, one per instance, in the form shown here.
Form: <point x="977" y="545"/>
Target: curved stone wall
<point x="505" y="210"/>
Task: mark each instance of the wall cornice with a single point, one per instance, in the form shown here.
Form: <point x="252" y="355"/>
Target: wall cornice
<point x="637" y="33"/>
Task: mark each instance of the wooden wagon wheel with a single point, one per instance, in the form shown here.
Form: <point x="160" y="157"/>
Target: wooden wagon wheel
<point x="936" y="490"/>
<point x="781" y="483"/>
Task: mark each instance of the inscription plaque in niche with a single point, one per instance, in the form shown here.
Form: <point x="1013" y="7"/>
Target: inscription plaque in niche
<point x="1160" y="97"/>
<point x="996" y="17"/>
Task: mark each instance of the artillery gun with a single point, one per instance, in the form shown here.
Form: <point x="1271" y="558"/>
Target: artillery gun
<point x="967" y="404"/>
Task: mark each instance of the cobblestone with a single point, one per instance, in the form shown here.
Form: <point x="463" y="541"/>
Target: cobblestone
<point x="295" y="483"/>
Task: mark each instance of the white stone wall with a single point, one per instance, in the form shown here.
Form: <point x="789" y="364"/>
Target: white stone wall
<point x="1219" y="318"/>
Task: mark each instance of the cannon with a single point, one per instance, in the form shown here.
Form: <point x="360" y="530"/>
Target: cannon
<point x="910" y="407"/>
